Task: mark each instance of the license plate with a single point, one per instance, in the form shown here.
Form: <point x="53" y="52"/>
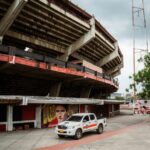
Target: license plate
<point x="61" y="131"/>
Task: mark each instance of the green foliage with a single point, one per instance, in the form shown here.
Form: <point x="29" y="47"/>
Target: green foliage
<point x="140" y="59"/>
<point x="130" y="77"/>
<point x="127" y="90"/>
<point x="119" y="98"/>
<point x="142" y="78"/>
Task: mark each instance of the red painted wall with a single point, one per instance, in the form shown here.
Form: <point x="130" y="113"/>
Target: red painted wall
<point x="28" y="112"/>
<point x="2" y="128"/>
<point x="81" y="108"/>
<point x="3" y="116"/>
<point x="90" y="108"/>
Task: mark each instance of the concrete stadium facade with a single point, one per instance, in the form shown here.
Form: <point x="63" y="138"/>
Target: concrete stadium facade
<point x="55" y="49"/>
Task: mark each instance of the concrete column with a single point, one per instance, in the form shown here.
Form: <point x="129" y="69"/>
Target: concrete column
<point x="1" y="40"/>
<point x="83" y="40"/>
<point x="110" y="110"/>
<point x="109" y="57"/>
<point x="11" y="15"/>
<point x="55" y="89"/>
<point x="113" y="109"/>
<point x="116" y="68"/>
<point x="116" y="73"/>
<point x="9" y="126"/>
<point x="85" y="92"/>
<point x="38" y="116"/>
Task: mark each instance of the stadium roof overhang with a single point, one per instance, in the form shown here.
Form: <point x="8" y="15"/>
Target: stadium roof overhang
<point x="25" y="100"/>
<point x="59" y="30"/>
<point x="10" y="100"/>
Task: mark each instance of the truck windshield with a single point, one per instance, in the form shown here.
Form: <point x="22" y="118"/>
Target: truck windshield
<point x="75" y="118"/>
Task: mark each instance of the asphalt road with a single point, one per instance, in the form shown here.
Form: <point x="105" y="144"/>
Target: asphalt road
<point x="124" y="132"/>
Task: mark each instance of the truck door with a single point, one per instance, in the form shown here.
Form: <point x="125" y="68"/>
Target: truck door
<point x="93" y="122"/>
<point x="86" y="123"/>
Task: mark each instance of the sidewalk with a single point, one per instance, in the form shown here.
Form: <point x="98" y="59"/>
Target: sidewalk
<point x="33" y="139"/>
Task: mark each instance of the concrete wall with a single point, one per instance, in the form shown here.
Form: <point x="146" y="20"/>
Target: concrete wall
<point x="33" y="116"/>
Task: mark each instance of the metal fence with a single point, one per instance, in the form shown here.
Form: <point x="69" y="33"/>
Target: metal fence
<point x="52" y="61"/>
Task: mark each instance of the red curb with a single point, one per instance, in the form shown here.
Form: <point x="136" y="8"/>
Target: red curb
<point x="92" y="138"/>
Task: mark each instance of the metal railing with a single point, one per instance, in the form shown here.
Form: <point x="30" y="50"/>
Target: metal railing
<point x="52" y="61"/>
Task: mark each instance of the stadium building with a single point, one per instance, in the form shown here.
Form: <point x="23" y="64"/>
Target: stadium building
<point x="54" y="53"/>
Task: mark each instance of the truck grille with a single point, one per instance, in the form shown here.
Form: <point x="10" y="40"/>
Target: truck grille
<point x="62" y="127"/>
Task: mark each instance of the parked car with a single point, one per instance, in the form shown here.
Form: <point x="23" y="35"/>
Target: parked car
<point x="80" y="123"/>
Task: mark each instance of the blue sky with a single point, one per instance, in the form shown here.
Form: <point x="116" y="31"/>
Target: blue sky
<point x="116" y="17"/>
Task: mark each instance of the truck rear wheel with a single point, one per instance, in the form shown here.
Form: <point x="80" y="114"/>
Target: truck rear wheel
<point x="100" y="129"/>
<point x="78" y="134"/>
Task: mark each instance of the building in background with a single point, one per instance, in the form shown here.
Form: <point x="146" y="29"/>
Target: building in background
<point x="117" y="96"/>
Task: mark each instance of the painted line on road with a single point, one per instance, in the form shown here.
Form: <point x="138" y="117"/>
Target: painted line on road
<point x="90" y="139"/>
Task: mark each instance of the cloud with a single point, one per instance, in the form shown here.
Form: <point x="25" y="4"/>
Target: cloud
<point x="111" y="14"/>
<point x="124" y="81"/>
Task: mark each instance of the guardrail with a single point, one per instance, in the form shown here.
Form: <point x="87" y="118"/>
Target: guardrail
<point x="52" y="61"/>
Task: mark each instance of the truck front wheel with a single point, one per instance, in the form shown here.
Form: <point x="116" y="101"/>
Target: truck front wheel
<point x="100" y="129"/>
<point x="60" y="136"/>
<point x="78" y="134"/>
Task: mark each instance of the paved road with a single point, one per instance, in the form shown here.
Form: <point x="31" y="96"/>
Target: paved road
<point x="125" y="132"/>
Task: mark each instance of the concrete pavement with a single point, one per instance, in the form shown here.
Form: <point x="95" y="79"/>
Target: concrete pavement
<point x="122" y="132"/>
<point x="133" y="137"/>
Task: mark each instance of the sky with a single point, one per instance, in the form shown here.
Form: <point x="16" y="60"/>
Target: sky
<point x="116" y="17"/>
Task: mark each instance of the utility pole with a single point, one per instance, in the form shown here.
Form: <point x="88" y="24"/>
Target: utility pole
<point x="139" y="30"/>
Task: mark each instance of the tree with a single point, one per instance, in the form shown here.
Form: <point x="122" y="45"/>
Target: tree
<point x="119" y="98"/>
<point x="142" y="78"/>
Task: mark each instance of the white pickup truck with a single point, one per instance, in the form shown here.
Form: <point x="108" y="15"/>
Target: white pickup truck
<point x="80" y="123"/>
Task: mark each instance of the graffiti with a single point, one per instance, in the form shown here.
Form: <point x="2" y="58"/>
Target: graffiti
<point x="48" y="113"/>
<point x="73" y="109"/>
<point x="54" y="114"/>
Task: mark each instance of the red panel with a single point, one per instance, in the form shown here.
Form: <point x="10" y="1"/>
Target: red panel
<point x="2" y="128"/>
<point x="92" y="125"/>
<point x="42" y="65"/>
<point x="28" y="112"/>
<point x="26" y="62"/>
<point x="81" y="108"/>
<point x="110" y="107"/>
<point x="90" y="108"/>
<point x="67" y="71"/>
<point x="32" y="63"/>
<point x="3" y="57"/>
